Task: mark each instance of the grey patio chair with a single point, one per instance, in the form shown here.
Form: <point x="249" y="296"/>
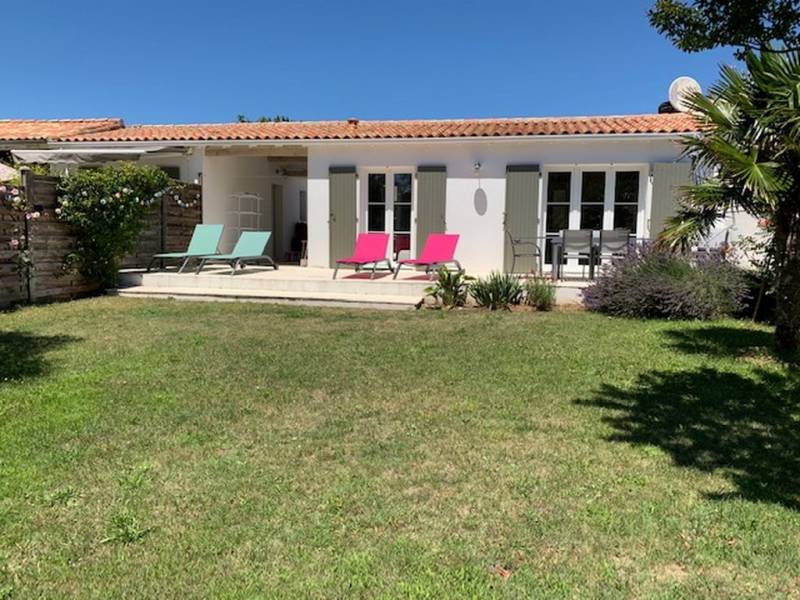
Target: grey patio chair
<point x="522" y="247"/>
<point x="614" y="243"/>
<point x="577" y="243"/>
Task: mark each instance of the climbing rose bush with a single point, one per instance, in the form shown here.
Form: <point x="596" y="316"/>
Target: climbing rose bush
<point x="19" y="242"/>
<point x="10" y="195"/>
<point x="106" y="208"/>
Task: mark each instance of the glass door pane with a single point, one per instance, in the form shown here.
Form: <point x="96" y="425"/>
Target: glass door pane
<point x="593" y="194"/>
<point x="558" y="201"/>
<point x="401" y="206"/>
<point x="376" y="202"/>
<point x="626" y="200"/>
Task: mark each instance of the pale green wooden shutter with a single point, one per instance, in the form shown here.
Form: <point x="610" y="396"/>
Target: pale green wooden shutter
<point x="343" y="212"/>
<point x="521" y="214"/>
<point x="667" y="181"/>
<point x="431" y="202"/>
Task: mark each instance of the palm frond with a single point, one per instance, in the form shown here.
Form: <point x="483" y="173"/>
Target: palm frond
<point x="688" y="226"/>
<point x="734" y="87"/>
<point x="743" y="166"/>
<point x="710" y="194"/>
<point x="720" y="113"/>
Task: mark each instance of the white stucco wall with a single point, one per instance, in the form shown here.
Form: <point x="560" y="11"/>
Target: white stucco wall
<point x="481" y="227"/>
<point x="735" y="226"/>
<point x="227" y="176"/>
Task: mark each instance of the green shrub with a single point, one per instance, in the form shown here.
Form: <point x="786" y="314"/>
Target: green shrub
<point x="499" y="290"/>
<point x="106" y="209"/>
<point x="451" y="288"/>
<point x="540" y="293"/>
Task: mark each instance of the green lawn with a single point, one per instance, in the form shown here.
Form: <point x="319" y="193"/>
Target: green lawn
<point x="171" y="449"/>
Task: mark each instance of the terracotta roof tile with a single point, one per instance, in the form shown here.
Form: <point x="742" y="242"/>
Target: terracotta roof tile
<point x="40" y="129"/>
<point x="675" y="123"/>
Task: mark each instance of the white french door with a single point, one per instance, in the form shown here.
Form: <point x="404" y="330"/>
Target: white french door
<point x="594" y="197"/>
<point x="388" y="207"/>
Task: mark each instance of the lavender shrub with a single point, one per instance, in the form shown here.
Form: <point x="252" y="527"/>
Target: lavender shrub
<point x="655" y="283"/>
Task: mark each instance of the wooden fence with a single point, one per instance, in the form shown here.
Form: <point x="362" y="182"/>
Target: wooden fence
<point x="168" y="227"/>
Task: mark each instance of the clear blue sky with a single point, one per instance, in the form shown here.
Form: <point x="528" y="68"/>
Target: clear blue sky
<point x="206" y="61"/>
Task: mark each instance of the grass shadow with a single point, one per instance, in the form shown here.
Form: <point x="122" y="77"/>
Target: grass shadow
<point x="22" y="354"/>
<point x="723" y="342"/>
<point x="746" y="429"/>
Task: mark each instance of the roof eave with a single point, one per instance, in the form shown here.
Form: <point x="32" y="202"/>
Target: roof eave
<point x="330" y="141"/>
<point x="27" y="143"/>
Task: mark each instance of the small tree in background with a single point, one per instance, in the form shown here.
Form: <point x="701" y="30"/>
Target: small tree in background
<point x="106" y="208"/>
<point x="697" y="25"/>
<point x="262" y="119"/>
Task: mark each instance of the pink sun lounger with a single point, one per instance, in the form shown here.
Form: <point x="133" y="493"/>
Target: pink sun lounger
<point x="370" y="249"/>
<point x="439" y="251"/>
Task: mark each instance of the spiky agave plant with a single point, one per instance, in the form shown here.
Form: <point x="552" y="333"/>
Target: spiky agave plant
<point x="497" y="291"/>
<point x="750" y="143"/>
<point x="451" y="288"/>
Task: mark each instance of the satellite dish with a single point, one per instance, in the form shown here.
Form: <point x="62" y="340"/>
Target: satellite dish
<point x="680" y="90"/>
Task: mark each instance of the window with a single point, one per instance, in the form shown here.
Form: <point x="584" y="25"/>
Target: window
<point x="593" y="195"/>
<point x="172" y="172"/>
<point x="376" y="202"/>
<point x="558" y="203"/>
<point x="626" y="200"/>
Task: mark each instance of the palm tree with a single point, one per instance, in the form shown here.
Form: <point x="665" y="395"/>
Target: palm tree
<point x="750" y="143"/>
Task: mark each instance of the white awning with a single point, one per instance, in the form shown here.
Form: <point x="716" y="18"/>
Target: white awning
<point x="74" y="156"/>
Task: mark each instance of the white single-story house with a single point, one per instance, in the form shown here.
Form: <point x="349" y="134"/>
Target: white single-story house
<point x="476" y="177"/>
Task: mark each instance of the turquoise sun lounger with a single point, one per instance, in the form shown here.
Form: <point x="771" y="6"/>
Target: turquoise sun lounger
<point x="204" y="242"/>
<point x="249" y="249"/>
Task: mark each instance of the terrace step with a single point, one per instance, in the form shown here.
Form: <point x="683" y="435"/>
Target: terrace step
<point x="383" y="301"/>
<point x="298" y="285"/>
<point x="277" y="281"/>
